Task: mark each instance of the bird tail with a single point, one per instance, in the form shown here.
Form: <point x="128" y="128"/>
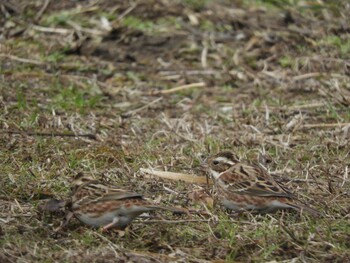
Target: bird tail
<point x="303" y="207"/>
<point x="170" y="208"/>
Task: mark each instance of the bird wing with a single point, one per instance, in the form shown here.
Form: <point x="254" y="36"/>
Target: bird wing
<point x="252" y="180"/>
<point x="119" y="194"/>
<point x="95" y="191"/>
<point x="258" y="189"/>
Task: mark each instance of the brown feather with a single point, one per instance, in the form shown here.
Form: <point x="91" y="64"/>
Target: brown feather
<point x="242" y="185"/>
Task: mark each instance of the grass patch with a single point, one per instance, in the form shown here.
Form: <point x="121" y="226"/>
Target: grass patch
<point x="336" y="43"/>
<point x="73" y="98"/>
<point x="254" y="88"/>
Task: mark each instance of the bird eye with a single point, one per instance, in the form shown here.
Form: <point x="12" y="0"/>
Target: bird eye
<point x="215" y="162"/>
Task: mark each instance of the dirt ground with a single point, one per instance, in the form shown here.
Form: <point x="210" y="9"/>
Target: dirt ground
<point x="111" y="88"/>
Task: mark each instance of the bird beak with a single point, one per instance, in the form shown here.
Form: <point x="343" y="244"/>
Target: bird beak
<point x="204" y="166"/>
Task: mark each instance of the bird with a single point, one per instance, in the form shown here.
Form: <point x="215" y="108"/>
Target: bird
<point x="244" y="186"/>
<point x="99" y="204"/>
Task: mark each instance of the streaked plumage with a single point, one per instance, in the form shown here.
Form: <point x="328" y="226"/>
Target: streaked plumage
<point x="243" y="186"/>
<point x="97" y="204"/>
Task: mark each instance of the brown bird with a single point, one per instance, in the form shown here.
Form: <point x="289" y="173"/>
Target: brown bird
<point x="241" y="186"/>
<point x="100" y="205"/>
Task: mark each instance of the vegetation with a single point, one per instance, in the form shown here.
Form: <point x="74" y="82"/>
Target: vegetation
<point x="110" y="87"/>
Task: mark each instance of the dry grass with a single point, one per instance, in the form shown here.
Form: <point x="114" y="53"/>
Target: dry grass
<point x="108" y="88"/>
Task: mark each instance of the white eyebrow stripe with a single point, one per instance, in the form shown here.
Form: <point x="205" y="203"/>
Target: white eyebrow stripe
<point x="225" y="160"/>
<point x="215" y="174"/>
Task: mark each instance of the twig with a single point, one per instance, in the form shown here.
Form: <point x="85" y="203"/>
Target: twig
<point x="345" y="176"/>
<point x="42" y="10"/>
<point x="132" y="112"/>
<point x="188" y="86"/>
<point x="63" y="31"/>
<point x="317" y="74"/>
<point x="126" y="12"/>
<point x="307" y="76"/>
<point x="267" y="114"/>
<point x="304" y="106"/>
<point x="325" y="125"/>
<point x="170" y="190"/>
<point x="52" y="134"/>
<point x="281" y="145"/>
<point x="79" y="28"/>
<point x="293" y="107"/>
<point x="181" y="221"/>
<point x="173" y="221"/>
<point x="73" y="78"/>
<point x="289" y="233"/>
<point x="190" y="72"/>
<point x="113" y="246"/>
<point x="31" y="173"/>
<point x="19" y="206"/>
<point x="15" y="216"/>
<point x="23" y="60"/>
<point x="189" y="178"/>
<point x="204" y="57"/>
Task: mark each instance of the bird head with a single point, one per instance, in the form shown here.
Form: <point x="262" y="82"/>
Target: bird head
<point x="80" y="179"/>
<point x="220" y="163"/>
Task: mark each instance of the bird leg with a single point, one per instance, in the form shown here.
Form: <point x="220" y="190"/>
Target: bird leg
<point x="110" y="225"/>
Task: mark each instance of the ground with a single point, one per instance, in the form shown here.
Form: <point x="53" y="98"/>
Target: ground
<point x="109" y="88"/>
